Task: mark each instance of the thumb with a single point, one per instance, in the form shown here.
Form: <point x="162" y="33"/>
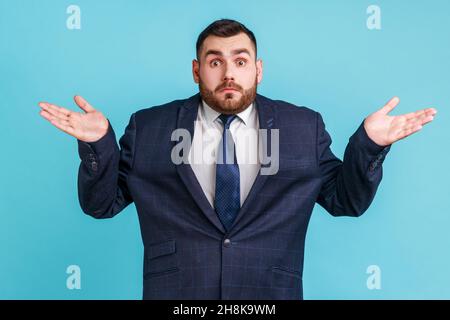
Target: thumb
<point x="390" y="105"/>
<point x="83" y="104"/>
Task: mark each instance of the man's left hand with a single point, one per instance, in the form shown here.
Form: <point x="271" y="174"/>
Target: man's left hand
<point x="384" y="129"/>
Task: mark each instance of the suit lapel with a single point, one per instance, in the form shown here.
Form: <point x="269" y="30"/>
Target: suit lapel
<point x="186" y="120"/>
<point x="267" y="120"/>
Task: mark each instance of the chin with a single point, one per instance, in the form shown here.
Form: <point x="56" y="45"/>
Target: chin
<point x="227" y="98"/>
<point x="231" y="95"/>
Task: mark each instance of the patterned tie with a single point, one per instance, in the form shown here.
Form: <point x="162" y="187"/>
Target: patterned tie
<point x="227" y="200"/>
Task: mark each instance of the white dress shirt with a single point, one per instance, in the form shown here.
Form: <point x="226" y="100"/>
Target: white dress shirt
<point x="208" y="131"/>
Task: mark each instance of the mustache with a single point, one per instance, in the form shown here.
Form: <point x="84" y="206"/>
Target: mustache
<point x="229" y="85"/>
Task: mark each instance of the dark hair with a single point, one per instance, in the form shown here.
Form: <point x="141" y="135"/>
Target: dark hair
<point x="224" y="28"/>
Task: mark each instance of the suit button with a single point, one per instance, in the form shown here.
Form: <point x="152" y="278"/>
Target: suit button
<point x="94" y="166"/>
<point x="227" y="242"/>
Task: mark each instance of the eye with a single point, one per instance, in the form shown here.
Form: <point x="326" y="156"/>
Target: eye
<point x="241" y="63"/>
<point x="215" y="63"/>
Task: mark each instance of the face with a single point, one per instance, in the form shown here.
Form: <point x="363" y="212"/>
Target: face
<point x="227" y="73"/>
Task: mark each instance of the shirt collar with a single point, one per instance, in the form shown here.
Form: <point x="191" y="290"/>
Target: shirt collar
<point x="211" y="115"/>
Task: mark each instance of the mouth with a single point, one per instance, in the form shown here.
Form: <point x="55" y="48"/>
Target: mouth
<point x="228" y="90"/>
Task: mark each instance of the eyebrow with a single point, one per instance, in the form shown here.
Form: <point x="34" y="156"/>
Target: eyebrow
<point x="233" y="52"/>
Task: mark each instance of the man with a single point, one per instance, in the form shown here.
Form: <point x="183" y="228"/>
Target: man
<point x="223" y="229"/>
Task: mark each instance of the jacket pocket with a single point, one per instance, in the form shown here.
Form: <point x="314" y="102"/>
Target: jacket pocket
<point x="285" y="278"/>
<point x="161" y="249"/>
<point x="160" y="259"/>
<point x="161" y="273"/>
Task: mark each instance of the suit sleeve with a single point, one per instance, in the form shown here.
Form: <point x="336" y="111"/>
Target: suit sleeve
<point x="103" y="173"/>
<point x="349" y="186"/>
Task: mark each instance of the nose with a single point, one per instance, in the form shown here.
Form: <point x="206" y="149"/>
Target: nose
<point x="228" y="76"/>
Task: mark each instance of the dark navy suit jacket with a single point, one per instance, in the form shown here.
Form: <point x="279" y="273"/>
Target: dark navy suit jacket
<point x="187" y="252"/>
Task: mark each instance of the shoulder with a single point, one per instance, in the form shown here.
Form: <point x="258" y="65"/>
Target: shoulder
<point x="288" y="112"/>
<point x="158" y="111"/>
<point x="163" y="115"/>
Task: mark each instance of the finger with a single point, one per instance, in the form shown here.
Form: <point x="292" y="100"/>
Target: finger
<point x="418" y="124"/>
<point x="412" y="126"/>
<point x="63" y="126"/>
<point x="407" y="132"/>
<point x="427" y="120"/>
<point x="390" y="105"/>
<point x="427" y="111"/>
<point x="54" y="107"/>
<point x="51" y="118"/>
<point x="55" y="110"/>
<point x="83" y="104"/>
<point x="412" y="115"/>
<point x="422" y="119"/>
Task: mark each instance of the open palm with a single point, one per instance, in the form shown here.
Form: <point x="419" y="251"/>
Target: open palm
<point x="87" y="126"/>
<point x="384" y="129"/>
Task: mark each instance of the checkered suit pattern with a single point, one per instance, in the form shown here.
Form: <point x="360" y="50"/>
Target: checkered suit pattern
<point x="187" y="252"/>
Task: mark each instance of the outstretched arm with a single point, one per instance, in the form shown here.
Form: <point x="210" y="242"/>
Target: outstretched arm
<point x="349" y="186"/>
<point x="102" y="177"/>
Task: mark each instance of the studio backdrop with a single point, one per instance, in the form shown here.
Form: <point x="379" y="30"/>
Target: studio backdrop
<point x="344" y="59"/>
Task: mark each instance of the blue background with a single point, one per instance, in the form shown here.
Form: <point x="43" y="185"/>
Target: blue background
<point x="130" y="55"/>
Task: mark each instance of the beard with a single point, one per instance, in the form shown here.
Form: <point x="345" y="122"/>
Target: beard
<point x="228" y="104"/>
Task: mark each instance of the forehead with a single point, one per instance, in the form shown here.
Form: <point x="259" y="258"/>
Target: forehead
<point x="227" y="45"/>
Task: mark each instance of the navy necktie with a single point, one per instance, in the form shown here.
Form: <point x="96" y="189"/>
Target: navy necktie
<point x="227" y="199"/>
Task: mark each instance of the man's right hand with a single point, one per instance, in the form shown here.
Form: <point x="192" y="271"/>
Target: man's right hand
<point x="88" y="126"/>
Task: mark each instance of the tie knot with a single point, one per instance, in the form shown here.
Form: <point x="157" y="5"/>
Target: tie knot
<point x="227" y="119"/>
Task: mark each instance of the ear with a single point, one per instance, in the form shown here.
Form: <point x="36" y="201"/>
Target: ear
<point x="195" y="71"/>
<point x="259" y="70"/>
